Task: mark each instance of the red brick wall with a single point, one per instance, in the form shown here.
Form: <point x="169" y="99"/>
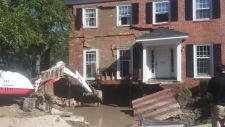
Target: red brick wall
<point x="76" y="54"/>
<point x="108" y="34"/>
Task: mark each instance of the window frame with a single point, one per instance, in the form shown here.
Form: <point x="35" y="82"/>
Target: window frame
<point x="211" y="61"/>
<point x="155" y="13"/>
<point x="84" y="63"/>
<point x="130" y="62"/>
<point x="195" y="10"/>
<point x="84" y="18"/>
<point x="118" y="16"/>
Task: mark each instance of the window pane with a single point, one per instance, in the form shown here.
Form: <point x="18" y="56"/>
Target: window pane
<point x="203" y="13"/>
<point x="200" y="4"/>
<point x="90" y="13"/>
<point x="203" y="9"/>
<point x="161" y="17"/>
<point x="203" y="51"/>
<point x="124" y="55"/>
<point x="124" y="68"/>
<point x="91" y="22"/>
<point x="90" y="64"/>
<point x="124" y="10"/>
<point x="124" y="20"/>
<point x="203" y="66"/>
<point x="162" y="6"/>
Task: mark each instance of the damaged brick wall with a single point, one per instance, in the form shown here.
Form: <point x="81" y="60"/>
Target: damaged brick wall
<point x="108" y="36"/>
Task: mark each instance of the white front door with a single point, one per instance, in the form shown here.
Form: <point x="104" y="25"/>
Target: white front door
<point x="163" y="62"/>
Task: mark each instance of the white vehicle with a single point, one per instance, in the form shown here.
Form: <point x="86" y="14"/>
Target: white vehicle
<point x="38" y="95"/>
<point x="13" y="83"/>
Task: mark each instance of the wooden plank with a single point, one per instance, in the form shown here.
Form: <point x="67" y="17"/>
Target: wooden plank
<point x="151" y="101"/>
<point x="160" y="105"/>
<point x="151" y="96"/>
<point x="153" y="107"/>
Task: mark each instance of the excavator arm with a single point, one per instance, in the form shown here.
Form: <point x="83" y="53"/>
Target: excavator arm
<point x="77" y="76"/>
<point x="44" y="85"/>
<point x="59" y="70"/>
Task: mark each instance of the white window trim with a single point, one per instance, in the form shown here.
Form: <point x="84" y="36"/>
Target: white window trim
<point x="154" y="12"/>
<point x="84" y="63"/>
<point x="195" y="62"/>
<point x="117" y="15"/>
<point x="84" y="18"/>
<point x="118" y="65"/>
<point x="194" y="12"/>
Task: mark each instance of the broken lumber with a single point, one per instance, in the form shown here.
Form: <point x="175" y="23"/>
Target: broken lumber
<point x="159" y="106"/>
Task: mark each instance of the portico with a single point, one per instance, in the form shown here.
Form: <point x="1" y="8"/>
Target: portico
<point x="162" y="54"/>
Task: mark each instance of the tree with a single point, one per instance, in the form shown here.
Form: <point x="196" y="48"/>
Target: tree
<point x="34" y="27"/>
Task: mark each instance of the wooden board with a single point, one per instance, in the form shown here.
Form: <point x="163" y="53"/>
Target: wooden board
<point x="159" y="106"/>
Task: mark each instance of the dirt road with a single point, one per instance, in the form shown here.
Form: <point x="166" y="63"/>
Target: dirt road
<point x="106" y="116"/>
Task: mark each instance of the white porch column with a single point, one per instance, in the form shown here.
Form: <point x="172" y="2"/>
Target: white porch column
<point x="179" y="62"/>
<point x="145" y="66"/>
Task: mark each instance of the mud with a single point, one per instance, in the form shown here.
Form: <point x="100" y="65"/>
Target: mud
<point x="106" y="115"/>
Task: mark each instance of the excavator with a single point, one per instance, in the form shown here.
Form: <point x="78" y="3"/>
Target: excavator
<point x="40" y="93"/>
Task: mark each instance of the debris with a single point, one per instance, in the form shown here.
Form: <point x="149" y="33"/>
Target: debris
<point x="76" y="119"/>
<point x="160" y="106"/>
<point x="61" y="113"/>
<point x="158" y="123"/>
<point x="65" y="102"/>
<point x="41" y="121"/>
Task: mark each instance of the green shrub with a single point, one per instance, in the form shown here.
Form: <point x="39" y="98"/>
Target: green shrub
<point x="185" y="91"/>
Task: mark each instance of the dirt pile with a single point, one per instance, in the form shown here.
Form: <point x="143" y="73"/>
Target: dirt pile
<point x="41" y="121"/>
<point x="13" y="116"/>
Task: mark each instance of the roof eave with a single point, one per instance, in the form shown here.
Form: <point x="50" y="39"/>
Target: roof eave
<point x="164" y="38"/>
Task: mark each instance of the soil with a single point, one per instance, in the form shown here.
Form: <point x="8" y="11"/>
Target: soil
<point x="13" y="116"/>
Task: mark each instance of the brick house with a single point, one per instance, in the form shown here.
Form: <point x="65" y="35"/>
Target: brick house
<point x="148" y="40"/>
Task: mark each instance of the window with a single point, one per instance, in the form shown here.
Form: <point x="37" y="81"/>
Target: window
<point x="124" y="15"/>
<point x="90" y="17"/>
<point x="90" y="64"/>
<point x="202" y="9"/>
<point x="203" y="60"/>
<point x="124" y="63"/>
<point x="153" y="61"/>
<point x="172" y="59"/>
<point x="161" y="11"/>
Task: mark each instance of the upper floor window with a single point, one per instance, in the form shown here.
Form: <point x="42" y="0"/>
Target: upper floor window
<point x="161" y="11"/>
<point x="124" y="15"/>
<point x="90" y="17"/>
<point x="202" y="9"/>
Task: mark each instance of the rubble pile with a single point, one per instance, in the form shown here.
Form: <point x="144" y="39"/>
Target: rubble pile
<point x="13" y="116"/>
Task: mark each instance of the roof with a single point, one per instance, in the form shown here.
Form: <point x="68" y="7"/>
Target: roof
<point x="76" y="2"/>
<point x="161" y="33"/>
